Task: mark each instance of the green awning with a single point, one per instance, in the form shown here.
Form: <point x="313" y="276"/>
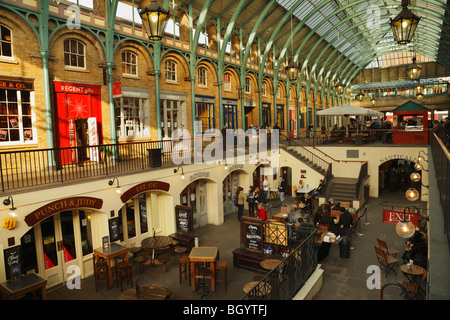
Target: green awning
<point x="410" y="106"/>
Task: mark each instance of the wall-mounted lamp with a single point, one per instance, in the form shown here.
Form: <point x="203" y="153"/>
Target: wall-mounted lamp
<point x="419" y="167"/>
<point x="10" y="201"/>
<point x="412" y="194"/>
<point x="421" y="158"/>
<point x="178" y="169"/>
<point x="111" y="182"/>
<point x="415" y="177"/>
<point x="404" y="227"/>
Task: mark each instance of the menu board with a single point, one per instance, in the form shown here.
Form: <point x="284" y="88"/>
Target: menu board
<point x="114" y="231"/>
<point x="12" y="262"/>
<point x="252" y="235"/>
<point x="184" y="219"/>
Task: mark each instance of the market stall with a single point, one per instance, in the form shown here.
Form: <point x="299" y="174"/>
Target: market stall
<point x="410" y="124"/>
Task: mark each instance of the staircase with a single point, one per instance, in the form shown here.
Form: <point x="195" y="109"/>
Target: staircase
<point x="342" y="189"/>
<point x="312" y="164"/>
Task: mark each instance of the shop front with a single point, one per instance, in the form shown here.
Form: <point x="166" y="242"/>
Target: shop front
<point x="60" y="239"/>
<point x="79" y="120"/>
<point x="410" y="124"/>
<point x="230" y="114"/>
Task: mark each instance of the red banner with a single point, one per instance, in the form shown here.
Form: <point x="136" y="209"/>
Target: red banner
<point x="393" y="217"/>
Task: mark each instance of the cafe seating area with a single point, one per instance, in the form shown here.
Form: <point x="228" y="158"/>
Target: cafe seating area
<point x="179" y="279"/>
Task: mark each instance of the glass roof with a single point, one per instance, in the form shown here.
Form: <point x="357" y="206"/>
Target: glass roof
<point x="372" y="20"/>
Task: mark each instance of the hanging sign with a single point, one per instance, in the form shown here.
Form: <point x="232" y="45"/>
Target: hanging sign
<point x="394" y="217"/>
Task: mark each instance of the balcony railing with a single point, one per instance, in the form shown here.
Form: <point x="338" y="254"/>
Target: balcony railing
<point x="33" y="168"/>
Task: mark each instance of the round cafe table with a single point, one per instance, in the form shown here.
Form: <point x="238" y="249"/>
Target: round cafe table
<point x="147" y="292"/>
<point x="270" y="264"/>
<point x="262" y="289"/>
<point x="151" y="244"/>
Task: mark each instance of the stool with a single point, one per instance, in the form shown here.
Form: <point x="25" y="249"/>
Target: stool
<point x="221" y="272"/>
<point x="184" y="267"/>
<point x="203" y="271"/>
<point x="100" y="273"/>
<point x="140" y="260"/>
<point x="163" y="259"/>
<point x="135" y="251"/>
<point x="123" y="272"/>
<point x="180" y="250"/>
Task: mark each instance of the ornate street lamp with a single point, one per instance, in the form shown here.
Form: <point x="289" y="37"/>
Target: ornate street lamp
<point x="373" y="100"/>
<point x="360" y="95"/>
<point x="339" y="87"/>
<point x="154" y="19"/>
<point x="419" y="91"/>
<point x="413" y="70"/>
<point x="404" y="24"/>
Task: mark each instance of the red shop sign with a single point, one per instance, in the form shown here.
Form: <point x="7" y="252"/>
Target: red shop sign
<point x="393" y="217"/>
<point x="82" y="88"/>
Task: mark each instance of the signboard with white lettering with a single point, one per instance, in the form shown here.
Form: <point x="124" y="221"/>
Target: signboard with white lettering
<point x="393" y="217"/>
<point x="184" y="219"/>
<point x="252" y="235"/>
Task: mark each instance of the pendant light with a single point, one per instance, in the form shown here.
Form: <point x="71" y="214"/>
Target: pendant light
<point x="154" y="20"/>
<point x="413" y="70"/>
<point x="404" y="24"/>
<point x="292" y="67"/>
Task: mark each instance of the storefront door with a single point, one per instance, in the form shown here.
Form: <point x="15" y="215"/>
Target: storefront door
<point x="194" y="195"/>
<point x="229" y="187"/>
<point x="59" y="246"/>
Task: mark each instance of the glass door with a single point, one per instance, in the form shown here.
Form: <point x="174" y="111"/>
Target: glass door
<point x="59" y="246"/>
<point x="202" y="205"/>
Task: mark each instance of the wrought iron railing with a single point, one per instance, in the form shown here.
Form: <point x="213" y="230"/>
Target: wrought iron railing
<point x="286" y="280"/>
<point x="441" y="160"/>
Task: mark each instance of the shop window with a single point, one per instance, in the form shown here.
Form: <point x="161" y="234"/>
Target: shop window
<point x="142" y="199"/>
<point x="28" y="253"/>
<point x="227" y="82"/>
<point x="205" y="114"/>
<point x="74" y="54"/>
<point x="171" y="70"/>
<point x="86" y="233"/>
<point x="16" y="118"/>
<point x="132" y="119"/>
<point x="202" y="76"/>
<point x="129" y="63"/>
<point x="278" y="92"/>
<point x="5" y="42"/>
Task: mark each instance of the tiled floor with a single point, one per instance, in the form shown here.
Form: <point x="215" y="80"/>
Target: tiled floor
<point x="344" y="279"/>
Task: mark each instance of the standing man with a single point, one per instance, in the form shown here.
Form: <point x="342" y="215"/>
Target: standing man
<point x="282" y="189"/>
<point x="266" y="188"/>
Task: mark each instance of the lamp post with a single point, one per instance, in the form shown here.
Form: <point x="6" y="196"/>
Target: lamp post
<point x="404" y="24"/>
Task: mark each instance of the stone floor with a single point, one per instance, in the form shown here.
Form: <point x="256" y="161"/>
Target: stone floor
<point x="344" y="279"/>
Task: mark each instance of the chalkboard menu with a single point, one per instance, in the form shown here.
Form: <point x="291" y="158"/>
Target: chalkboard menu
<point x="252" y="235"/>
<point x="184" y="219"/>
<point x="114" y="231"/>
<point x="12" y="262"/>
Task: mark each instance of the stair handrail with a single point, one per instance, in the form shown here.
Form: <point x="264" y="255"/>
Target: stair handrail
<point x="312" y="146"/>
<point x="362" y="175"/>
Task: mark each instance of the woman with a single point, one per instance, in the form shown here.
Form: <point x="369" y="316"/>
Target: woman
<point x="251" y="201"/>
<point x="261" y="213"/>
<point x="241" y="197"/>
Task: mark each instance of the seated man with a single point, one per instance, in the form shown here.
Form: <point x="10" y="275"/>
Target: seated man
<point x="318" y="189"/>
<point x="308" y="204"/>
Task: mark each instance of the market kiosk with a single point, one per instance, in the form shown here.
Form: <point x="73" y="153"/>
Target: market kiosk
<point x="410" y="124"/>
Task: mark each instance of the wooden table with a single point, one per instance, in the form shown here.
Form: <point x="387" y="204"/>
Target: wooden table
<point x="14" y="289"/>
<point x="153" y="243"/>
<point x="112" y="252"/>
<point x="280" y="216"/>
<point x="263" y="288"/>
<point x="207" y="255"/>
<point x="414" y="275"/>
<point x="147" y="292"/>
<point x="270" y="264"/>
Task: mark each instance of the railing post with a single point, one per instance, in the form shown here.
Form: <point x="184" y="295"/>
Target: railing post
<point x="1" y="173"/>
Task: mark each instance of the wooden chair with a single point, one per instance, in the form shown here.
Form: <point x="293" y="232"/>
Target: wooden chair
<point x="387" y="262"/>
<point x="100" y="273"/>
<point x="415" y="292"/>
<point x="335" y="213"/>
<point x="345" y="205"/>
<point x="184" y="268"/>
<point x="123" y="273"/>
<point x="390" y="251"/>
<point x="221" y="272"/>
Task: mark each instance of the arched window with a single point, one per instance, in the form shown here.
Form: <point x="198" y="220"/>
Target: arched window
<point x="202" y="76"/>
<point x="74" y="54"/>
<point x="129" y="63"/>
<point x="5" y="42"/>
<point x="247" y="85"/>
<point x="171" y="70"/>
